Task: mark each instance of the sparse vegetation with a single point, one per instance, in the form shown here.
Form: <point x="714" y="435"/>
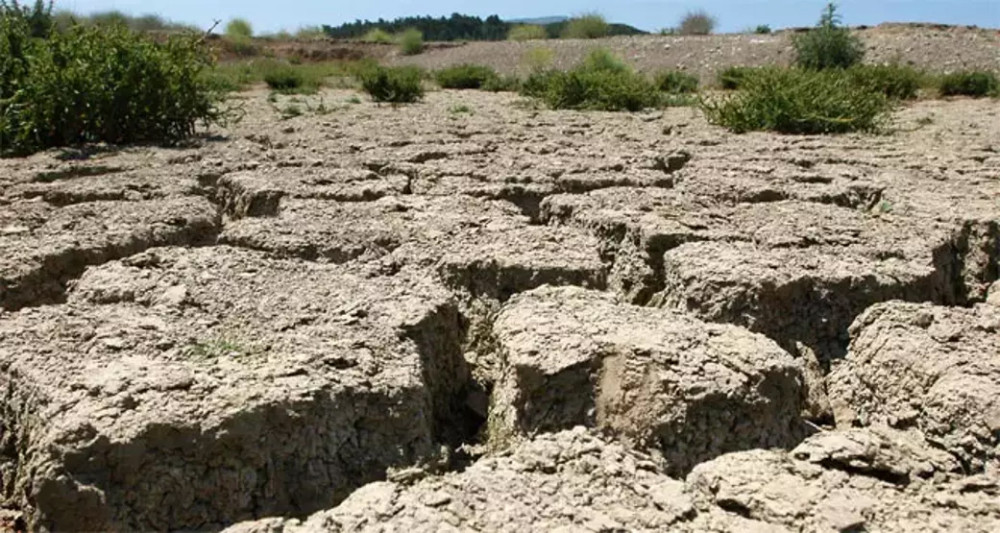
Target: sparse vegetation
<point x="970" y="83"/>
<point x="897" y="82"/>
<point x="377" y="35"/>
<point x="762" y="29"/>
<point x="602" y="82"/>
<point x="465" y="77"/>
<point x="235" y="76"/>
<point x="527" y="32"/>
<point x="460" y="109"/>
<point x="696" y="23"/>
<point x="591" y="26"/>
<point x="676" y="82"/>
<point x="99" y="84"/>
<point x="829" y="45"/>
<point x="800" y="101"/>
<point x="392" y="84"/>
<point x="411" y="42"/>
<point x="216" y="348"/>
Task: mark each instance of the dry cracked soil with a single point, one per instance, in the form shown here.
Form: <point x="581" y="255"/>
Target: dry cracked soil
<point x="495" y="317"/>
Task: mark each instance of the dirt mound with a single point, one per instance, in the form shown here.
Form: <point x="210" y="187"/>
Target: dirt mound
<point x="395" y="317"/>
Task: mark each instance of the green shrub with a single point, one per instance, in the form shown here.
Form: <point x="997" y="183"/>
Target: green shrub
<point x="601" y="91"/>
<point x="502" y="84"/>
<point x="800" y="101"/>
<point x="286" y="80"/>
<point x="100" y="84"/>
<point x="829" y="45"/>
<point x="676" y="82"/>
<point x="970" y="83"/>
<point x="527" y="32"/>
<point x="411" y="42"/>
<point x="898" y="82"/>
<point x="538" y="58"/>
<point x="239" y="29"/>
<point x="731" y="78"/>
<point x="601" y="82"/>
<point x="762" y="29"/>
<point x="592" y="26"/>
<point x="392" y="84"/>
<point x="465" y="77"/>
<point x="696" y="23"/>
<point x="538" y="82"/>
<point x="601" y="59"/>
<point x="377" y="35"/>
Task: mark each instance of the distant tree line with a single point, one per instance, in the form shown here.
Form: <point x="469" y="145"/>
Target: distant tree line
<point x="457" y="27"/>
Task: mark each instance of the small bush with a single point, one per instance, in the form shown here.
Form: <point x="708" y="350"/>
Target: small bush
<point x="731" y="78"/>
<point x="895" y="81"/>
<point x="411" y="42"/>
<point x="676" y="82"/>
<point x="377" y="35"/>
<point x="502" y="84"/>
<point x="602" y="60"/>
<point x="601" y="82"/>
<point x="697" y="23"/>
<point x="591" y="26"/>
<point x="538" y="58"/>
<point x="970" y="83"/>
<point x="538" y="82"/>
<point x="465" y="76"/>
<point x="239" y="29"/>
<point x="762" y="29"/>
<point x="286" y="80"/>
<point x="829" y="45"/>
<point x="392" y="84"/>
<point x="527" y="32"/>
<point x="800" y="101"/>
<point x="601" y="91"/>
<point x="100" y="84"/>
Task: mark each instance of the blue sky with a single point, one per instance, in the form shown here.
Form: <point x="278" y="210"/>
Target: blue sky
<point x="733" y="15"/>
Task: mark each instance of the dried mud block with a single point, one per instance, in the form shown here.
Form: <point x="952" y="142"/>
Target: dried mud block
<point x="860" y="480"/>
<point x="96" y="183"/>
<point x="193" y="388"/>
<point x="259" y="193"/>
<point x="44" y="247"/>
<point x="568" y="481"/>
<point x="929" y="367"/>
<point x="791" y="294"/>
<point x="654" y="378"/>
<point x="484" y="247"/>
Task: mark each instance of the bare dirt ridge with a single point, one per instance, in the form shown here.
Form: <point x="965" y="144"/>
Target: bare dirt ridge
<point x="933" y="47"/>
<point x="511" y="318"/>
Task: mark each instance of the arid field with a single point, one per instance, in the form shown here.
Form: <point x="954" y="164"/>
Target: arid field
<point x="474" y="313"/>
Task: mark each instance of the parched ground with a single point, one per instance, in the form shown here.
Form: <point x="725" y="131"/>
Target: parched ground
<point x="932" y="47"/>
<point x="475" y="314"/>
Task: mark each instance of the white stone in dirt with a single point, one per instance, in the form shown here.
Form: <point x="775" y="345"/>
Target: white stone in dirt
<point x="654" y="378"/>
<point x="193" y="388"/>
<point x="929" y="367"/>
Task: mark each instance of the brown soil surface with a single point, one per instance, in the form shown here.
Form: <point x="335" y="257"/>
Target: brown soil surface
<point x="496" y="317"/>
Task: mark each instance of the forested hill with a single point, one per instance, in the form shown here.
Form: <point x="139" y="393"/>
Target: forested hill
<point x="454" y="28"/>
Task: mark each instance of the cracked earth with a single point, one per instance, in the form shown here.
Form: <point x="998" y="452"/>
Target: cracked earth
<point x="414" y="318"/>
